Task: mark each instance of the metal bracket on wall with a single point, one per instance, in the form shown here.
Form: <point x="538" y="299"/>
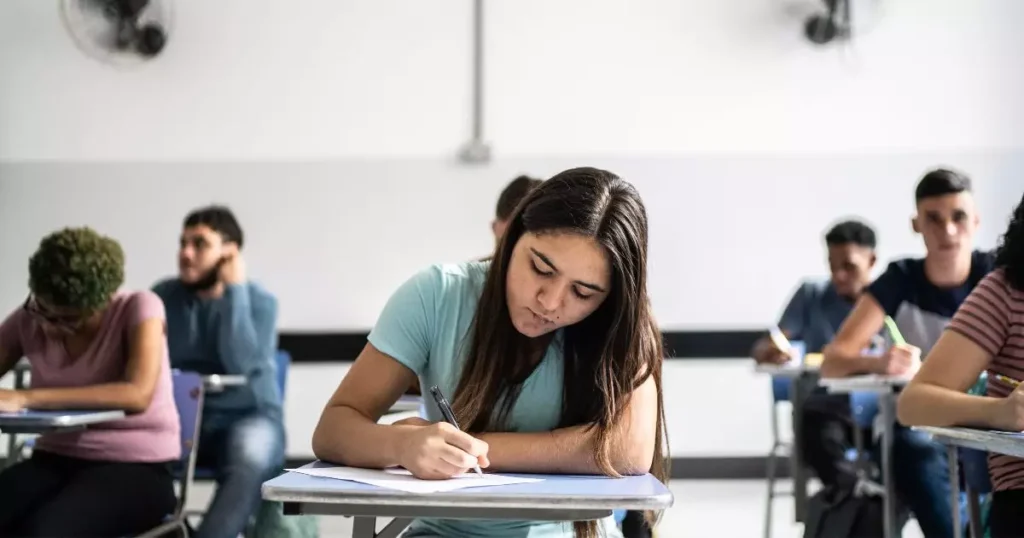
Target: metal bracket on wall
<point x="477" y="151"/>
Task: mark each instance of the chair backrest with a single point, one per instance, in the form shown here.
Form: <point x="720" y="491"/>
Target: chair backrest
<point x="863" y="408"/>
<point x="282" y="360"/>
<point x="188" y="398"/>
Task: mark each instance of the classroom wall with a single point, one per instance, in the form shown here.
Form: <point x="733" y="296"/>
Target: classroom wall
<point x="333" y="129"/>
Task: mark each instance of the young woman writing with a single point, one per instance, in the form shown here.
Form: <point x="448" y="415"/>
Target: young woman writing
<point x="90" y="347"/>
<point x="987" y="333"/>
<point x="549" y="351"/>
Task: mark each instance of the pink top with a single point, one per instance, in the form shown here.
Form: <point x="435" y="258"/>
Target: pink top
<point x="150" y="436"/>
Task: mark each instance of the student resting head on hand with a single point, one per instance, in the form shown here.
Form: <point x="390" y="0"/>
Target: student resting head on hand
<point x="89" y="347"/>
<point x="549" y="354"/>
<point x="985" y="335"/>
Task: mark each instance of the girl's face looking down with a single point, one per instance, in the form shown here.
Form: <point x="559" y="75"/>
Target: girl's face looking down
<point x="555" y="280"/>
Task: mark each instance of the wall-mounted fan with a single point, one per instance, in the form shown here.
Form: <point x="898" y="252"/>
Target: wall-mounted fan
<point x="118" y="31"/>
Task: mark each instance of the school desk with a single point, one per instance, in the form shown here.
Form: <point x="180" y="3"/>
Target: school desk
<point x="1008" y="443"/>
<point x="556" y="498"/>
<point x="885" y="387"/>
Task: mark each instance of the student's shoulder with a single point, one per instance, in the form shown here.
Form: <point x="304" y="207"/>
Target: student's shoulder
<point x="814" y="288"/>
<point x="907" y="267"/>
<point x="138" y="305"/>
<point x="167" y="287"/>
<point x="444" y="279"/>
<point x="983" y="262"/>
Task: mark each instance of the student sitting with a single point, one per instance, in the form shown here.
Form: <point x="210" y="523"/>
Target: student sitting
<point x="549" y="353"/>
<point x="218" y="322"/>
<point x="510" y="197"/>
<point x="90" y="347"/>
<point x="814" y="313"/>
<point x="985" y="334"/>
<point x="921" y="295"/>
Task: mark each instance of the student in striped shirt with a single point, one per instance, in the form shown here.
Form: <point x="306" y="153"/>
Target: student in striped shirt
<point x="987" y="333"/>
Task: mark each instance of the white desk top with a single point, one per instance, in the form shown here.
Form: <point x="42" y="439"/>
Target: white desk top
<point x="33" y="421"/>
<point x="1008" y="443"/>
<point x="785" y="370"/>
<point x="863" y="383"/>
<point x="555" y="494"/>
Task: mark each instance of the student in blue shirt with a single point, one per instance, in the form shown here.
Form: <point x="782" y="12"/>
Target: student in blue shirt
<point x="549" y="353"/>
<point x="921" y="295"/>
<point x="813" y="315"/>
<point x="220" y="322"/>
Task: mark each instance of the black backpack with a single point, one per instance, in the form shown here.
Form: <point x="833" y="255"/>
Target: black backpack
<point x="845" y="512"/>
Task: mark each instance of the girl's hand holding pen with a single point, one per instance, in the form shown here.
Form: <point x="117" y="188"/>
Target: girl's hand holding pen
<point x="1011" y="409"/>
<point x="437" y="451"/>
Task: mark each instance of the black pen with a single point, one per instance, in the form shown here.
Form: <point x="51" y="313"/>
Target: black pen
<point x="449" y="416"/>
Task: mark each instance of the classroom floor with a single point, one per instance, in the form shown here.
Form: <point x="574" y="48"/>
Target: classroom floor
<point x="720" y="508"/>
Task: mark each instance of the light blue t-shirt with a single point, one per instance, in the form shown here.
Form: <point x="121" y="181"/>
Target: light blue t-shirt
<point x="425" y="326"/>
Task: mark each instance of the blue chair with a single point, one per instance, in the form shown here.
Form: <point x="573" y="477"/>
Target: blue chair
<point x="188" y="398"/>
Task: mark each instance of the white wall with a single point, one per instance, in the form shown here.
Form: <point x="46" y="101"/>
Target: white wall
<point x="331" y="127"/>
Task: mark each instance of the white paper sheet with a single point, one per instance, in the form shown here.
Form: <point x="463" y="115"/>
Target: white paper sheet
<point x="403" y="480"/>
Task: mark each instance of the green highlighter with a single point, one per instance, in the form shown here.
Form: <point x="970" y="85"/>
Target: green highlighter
<point x="894" y="331"/>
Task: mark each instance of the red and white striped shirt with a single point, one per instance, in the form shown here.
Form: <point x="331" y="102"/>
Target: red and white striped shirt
<point x="993" y="318"/>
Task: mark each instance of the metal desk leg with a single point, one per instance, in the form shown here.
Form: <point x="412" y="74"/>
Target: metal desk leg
<point x="12" y="438"/>
<point x="887" y="411"/>
<point x="366" y="527"/>
<point x="796" y="462"/>
<point x="974" y="513"/>
<point x="954" y="488"/>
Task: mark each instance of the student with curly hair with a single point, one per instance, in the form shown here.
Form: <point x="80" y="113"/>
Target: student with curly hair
<point x="90" y="346"/>
<point x="986" y="334"/>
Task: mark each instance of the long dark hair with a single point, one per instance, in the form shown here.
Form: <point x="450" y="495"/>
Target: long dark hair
<point x="607" y="355"/>
<point x="1010" y="254"/>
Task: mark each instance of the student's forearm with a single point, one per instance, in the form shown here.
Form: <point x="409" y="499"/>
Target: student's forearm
<point x="347" y="437"/>
<point x="124" y="396"/>
<point x="562" y="451"/>
<point x="840" y="363"/>
<point x="921" y="404"/>
<point x="239" y="339"/>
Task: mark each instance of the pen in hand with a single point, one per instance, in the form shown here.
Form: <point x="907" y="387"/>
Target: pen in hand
<point x="449" y="416"/>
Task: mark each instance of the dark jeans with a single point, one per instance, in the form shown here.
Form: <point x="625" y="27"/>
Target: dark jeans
<point x="920" y="468"/>
<point x="50" y="495"/>
<point x="245" y="451"/>
<point x="1006" y="518"/>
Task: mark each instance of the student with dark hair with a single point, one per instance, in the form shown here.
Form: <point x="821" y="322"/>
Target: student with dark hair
<point x="550" y="353"/>
<point x="90" y="346"/>
<point x="510" y="196"/>
<point x="813" y="315"/>
<point x="220" y="322"/>
<point x="986" y="334"/>
<point x="921" y="295"/>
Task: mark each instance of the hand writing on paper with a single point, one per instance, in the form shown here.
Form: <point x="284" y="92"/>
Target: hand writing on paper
<point x="901" y="359"/>
<point x="766" y="352"/>
<point x="439" y="451"/>
<point x="1011" y="411"/>
<point x="11" y="400"/>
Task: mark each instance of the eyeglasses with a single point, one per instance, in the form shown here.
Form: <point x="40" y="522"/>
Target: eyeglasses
<point x="69" y="321"/>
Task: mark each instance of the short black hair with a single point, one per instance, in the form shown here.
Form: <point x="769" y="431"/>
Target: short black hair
<point x="940" y="182"/>
<point x="219" y="219"/>
<point x="514" y="193"/>
<point x="851" y="231"/>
